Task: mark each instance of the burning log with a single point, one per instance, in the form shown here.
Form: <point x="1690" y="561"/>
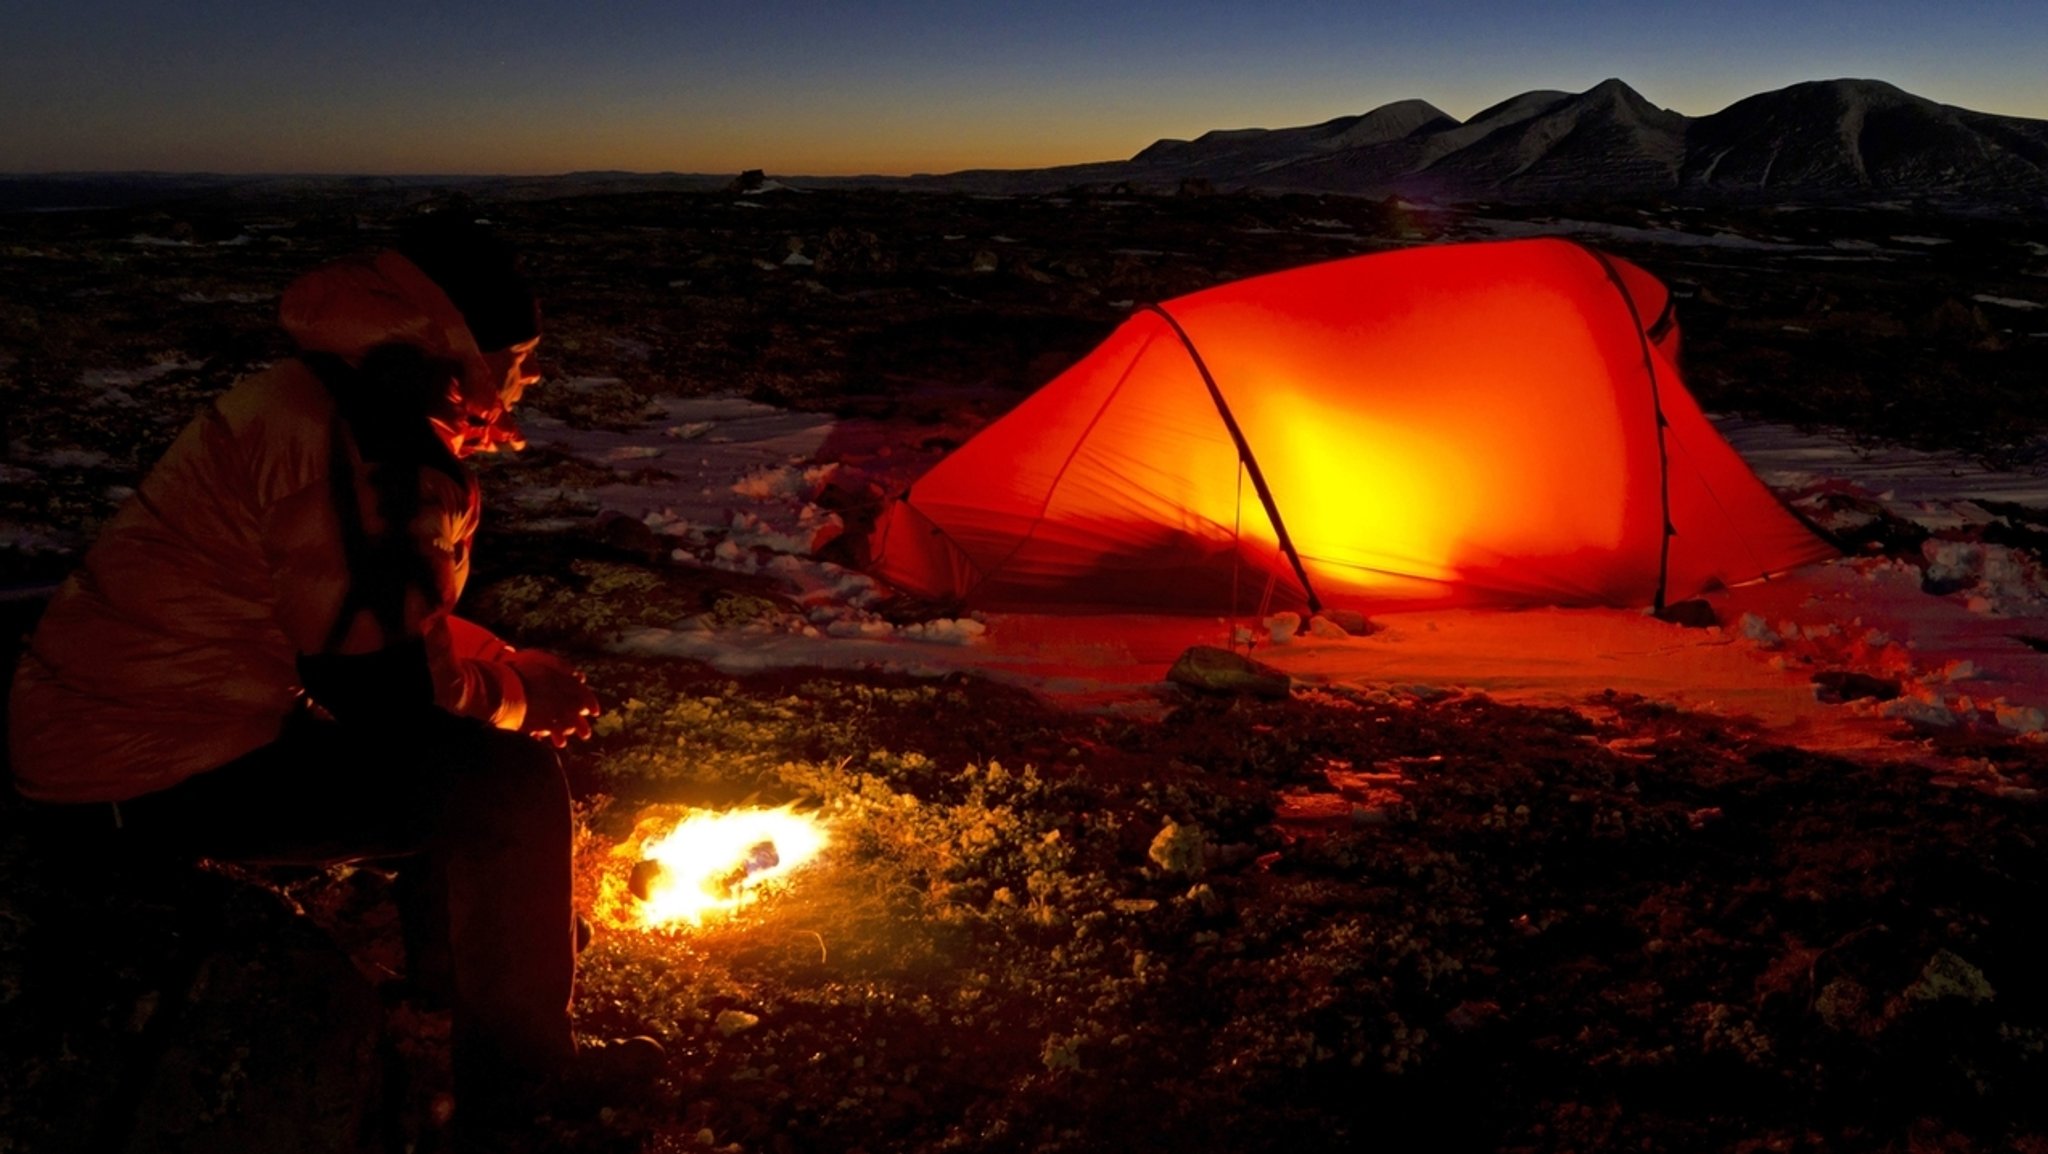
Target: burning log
<point x="761" y="856"/>
<point x="646" y="876"/>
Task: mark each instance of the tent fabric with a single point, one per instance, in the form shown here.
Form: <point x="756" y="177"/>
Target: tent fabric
<point x="1479" y="424"/>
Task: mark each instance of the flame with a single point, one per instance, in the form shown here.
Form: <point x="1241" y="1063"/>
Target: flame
<point x="715" y="861"/>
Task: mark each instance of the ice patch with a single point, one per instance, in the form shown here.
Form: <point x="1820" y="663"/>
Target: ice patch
<point x="1919" y="711"/>
<point x="75" y="459"/>
<point x="582" y="384"/>
<point x="1928" y="488"/>
<point x="749" y="532"/>
<point x="1994" y="580"/>
<point x="1623" y="232"/>
<point x="2007" y="302"/>
<point x="627" y="454"/>
<point x="967" y="631"/>
<point x="225" y="298"/>
<point x="129" y="378"/>
<point x="31" y="539"/>
<point x="1759" y="631"/>
<point x="2020" y="718"/>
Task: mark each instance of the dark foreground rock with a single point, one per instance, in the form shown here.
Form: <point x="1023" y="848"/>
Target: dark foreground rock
<point x="153" y="1009"/>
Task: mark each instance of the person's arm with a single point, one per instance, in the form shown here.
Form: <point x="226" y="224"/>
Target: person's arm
<point x="364" y="671"/>
<point x="472" y="674"/>
<point x="559" y="705"/>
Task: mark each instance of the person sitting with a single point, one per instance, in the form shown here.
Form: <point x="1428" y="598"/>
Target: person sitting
<point x="259" y="661"/>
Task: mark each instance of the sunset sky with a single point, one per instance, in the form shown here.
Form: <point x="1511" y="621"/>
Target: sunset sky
<point x="818" y="88"/>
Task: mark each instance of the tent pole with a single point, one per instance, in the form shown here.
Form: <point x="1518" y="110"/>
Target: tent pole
<point x="1236" y="554"/>
<point x="1656" y="406"/>
<point x="1251" y="463"/>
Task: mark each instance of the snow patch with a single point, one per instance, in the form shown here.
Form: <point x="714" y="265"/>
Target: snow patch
<point x="241" y="298"/>
<point x="1632" y="233"/>
<point x="31" y="539"/>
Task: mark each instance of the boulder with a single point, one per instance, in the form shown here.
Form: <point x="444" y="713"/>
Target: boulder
<point x="1208" y="669"/>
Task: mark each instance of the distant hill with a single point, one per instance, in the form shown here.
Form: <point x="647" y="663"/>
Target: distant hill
<point x="1828" y="139"/>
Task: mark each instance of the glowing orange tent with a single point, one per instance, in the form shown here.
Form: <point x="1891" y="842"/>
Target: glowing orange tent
<point x="1478" y="424"/>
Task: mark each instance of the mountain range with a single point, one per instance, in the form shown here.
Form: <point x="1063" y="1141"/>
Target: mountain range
<point x="1841" y="141"/>
<point x="1838" y="140"/>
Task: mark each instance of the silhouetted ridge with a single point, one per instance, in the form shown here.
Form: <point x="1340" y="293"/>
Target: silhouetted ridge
<point x="1839" y="139"/>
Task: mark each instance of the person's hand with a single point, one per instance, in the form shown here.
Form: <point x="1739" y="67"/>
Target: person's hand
<point x="558" y="705"/>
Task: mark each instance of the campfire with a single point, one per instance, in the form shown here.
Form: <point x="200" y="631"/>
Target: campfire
<point x="712" y="862"/>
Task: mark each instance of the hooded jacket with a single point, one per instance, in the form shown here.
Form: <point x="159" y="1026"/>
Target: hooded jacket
<point x="174" y="648"/>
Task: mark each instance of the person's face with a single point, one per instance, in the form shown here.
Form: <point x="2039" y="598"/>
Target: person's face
<point x="467" y="431"/>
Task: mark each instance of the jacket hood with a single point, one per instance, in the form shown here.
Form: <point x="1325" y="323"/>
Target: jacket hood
<point x="352" y="306"/>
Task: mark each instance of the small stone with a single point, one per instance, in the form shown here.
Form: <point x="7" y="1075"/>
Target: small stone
<point x="1325" y="629"/>
<point x="1351" y="621"/>
<point x="1837" y="686"/>
<point x="1179" y="849"/>
<point x="1468" y="1016"/>
<point x="1947" y="975"/>
<point x="1695" y="613"/>
<point x="730" y="1022"/>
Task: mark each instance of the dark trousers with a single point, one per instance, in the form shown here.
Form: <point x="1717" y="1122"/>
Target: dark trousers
<point x="485" y="813"/>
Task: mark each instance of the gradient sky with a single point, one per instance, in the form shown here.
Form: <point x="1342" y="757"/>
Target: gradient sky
<point x="898" y="86"/>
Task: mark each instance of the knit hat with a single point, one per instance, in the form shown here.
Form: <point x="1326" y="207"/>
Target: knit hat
<point x="479" y="272"/>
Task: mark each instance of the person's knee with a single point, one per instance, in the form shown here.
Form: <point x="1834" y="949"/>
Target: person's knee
<point x="523" y="775"/>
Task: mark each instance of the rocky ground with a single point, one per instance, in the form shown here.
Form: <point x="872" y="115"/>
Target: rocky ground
<point x="1316" y="922"/>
